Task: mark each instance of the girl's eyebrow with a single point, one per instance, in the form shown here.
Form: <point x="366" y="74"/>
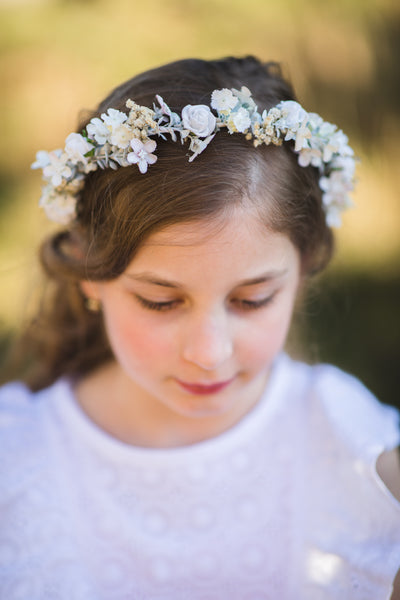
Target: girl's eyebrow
<point x="153" y="279"/>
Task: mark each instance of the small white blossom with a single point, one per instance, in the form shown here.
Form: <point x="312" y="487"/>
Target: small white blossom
<point x="198" y="119"/>
<point x="293" y="115"/>
<point x="310" y="156"/>
<point x="165" y="109"/>
<point x="335" y="144"/>
<point x="42" y="160"/>
<point x="98" y="131"/>
<point x="315" y="121"/>
<point x="345" y="164"/>
<point x="302" y="135"/>
<point x="142" y="154"/>
<point x="239" y="121"/>
<point x="333" y="216"/>
<point x="223" y="100"/>
<point x="60" y="208"/>
<point x="114" y="118"/>
<point x="58" y="169"/>
<point x="76" y="147"/>
<point x="245" y="99"/>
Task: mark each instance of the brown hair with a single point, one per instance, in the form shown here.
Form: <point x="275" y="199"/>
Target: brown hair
<point x="119" y="209"/>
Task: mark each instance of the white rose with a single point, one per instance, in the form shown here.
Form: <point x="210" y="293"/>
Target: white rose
<point x="198" y="119"/>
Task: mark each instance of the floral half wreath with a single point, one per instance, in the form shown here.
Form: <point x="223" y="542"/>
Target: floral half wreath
<point x="120" y="140"/>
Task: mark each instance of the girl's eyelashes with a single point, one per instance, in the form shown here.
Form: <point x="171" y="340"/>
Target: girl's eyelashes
<point x="244" y="304"/>
<point x="161" y="306"/>
<point x="238" y="303"/>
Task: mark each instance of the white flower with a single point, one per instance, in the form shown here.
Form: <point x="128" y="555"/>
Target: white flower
<point x="223" y="100"/>
<point x="345" y="164"/>
<point x="239" y="121"/>
<point x="97" y="130"/>
<point x="60" y="208"/>
<point x="310" y="156"/>
<point x="42" y="160"/>
<point x="76" y="147"/>
<point x="142" y="154"/>
<point x="302" y="135"/>
<point x="333" y="216"/>
<point x="293" y="115"/>
<point x="315" y="121"/>
<point x="335" y="143"/>
<point x="114" y="118"/>
<point x="245" y="99"/>
<point x="121" y="136"/>
<point x="164" y="108"/>
<point x="58" y="169"/>
<point x="198" y="119"/>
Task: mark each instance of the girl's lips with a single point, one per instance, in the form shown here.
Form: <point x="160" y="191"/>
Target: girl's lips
<point x="204" y="389"/>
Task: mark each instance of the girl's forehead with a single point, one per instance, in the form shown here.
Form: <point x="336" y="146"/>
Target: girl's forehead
<point x="233" y="244"/>
<point x="221" y="229"/>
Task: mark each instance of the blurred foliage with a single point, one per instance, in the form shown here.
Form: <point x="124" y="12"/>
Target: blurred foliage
<point x="60" y="56"/>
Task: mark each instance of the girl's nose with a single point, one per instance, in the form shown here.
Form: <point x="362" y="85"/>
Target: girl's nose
<point x="208" y="342"/>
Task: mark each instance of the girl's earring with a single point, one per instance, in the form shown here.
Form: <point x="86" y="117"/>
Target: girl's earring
<point x="92" y="304"/>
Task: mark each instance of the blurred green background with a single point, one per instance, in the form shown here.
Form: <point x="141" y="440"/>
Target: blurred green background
<point x="61" y="56"/>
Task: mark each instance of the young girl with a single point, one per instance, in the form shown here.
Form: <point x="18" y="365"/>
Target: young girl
<point x="166" y="448"/>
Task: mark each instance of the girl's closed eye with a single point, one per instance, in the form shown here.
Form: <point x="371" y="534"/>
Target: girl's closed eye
<point x="242" y="304"/>
<point x="245" y="304"/>
<point x="160" y="306"/>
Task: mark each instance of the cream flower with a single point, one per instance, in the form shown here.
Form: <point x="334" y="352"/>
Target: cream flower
<point x="198" y="119"/>
<point x="142" y="154"/>
<point x="121" y="136"/>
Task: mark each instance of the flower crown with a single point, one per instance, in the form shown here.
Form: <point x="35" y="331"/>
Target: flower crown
<point x="120" y="140"/>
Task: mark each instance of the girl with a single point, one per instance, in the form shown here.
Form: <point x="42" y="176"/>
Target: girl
<point x="166" y="447"/>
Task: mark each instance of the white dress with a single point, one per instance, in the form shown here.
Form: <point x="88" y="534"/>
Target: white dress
<point x="286" y="505"/>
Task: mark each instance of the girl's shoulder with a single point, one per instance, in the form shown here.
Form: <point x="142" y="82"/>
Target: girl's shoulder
<point x="24" y="419"/>
<point x="18" y="404"/>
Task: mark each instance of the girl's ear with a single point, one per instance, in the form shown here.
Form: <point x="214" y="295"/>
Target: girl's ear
<point x="90" y="289"/>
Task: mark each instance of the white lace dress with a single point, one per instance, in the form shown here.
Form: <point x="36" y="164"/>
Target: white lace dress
<point x="286" y="505"/>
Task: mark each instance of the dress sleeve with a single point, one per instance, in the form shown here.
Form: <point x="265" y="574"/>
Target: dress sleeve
<point x="367" y="424"/>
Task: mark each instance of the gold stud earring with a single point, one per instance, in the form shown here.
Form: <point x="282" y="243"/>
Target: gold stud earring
<point x="92" y="304"/>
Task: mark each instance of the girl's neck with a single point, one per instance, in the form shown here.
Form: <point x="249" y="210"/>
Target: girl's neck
<point x="128" y="413"/>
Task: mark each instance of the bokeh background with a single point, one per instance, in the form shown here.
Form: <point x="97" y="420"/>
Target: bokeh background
<point x="58" y="57"/>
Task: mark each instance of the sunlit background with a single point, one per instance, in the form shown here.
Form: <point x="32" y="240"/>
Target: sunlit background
<point x="61" y="56"/>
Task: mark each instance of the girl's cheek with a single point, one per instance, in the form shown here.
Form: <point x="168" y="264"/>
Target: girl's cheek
<point x="135" y="336"/>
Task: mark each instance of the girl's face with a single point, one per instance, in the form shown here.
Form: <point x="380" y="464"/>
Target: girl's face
<point x="200" y="313"/>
